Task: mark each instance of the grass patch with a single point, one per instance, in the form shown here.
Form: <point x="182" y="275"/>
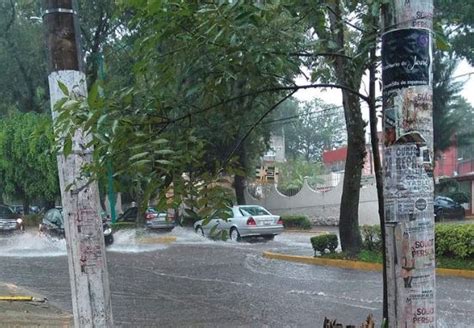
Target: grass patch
<point x="376" y="257"/>
<point x="449" y="263"/>
<point x="364" y="256"/>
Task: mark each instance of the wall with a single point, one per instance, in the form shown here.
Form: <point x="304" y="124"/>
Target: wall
<point x="321" y="207"/>
<point x="446" y="164"/>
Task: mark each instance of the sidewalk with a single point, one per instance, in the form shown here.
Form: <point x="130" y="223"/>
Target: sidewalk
<point x="17" y="311"/>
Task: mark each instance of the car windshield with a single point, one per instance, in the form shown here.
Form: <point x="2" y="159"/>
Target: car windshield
<point x="151" y="210"/>
<point x="253" y="210"/>
<point x="54" y="217"/>
<point x="6" y="213"/>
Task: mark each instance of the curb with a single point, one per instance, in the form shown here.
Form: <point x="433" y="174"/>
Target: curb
<point x="469" y="274"/>
<point x="157" y="240"/>
<point x="358" y="265"/>
<point x="343" y="264"/>
<point x="320" y="232"/>
<point x="22" y="299"/>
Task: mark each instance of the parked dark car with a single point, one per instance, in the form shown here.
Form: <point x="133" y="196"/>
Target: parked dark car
<point x="446" y="208"/>
<point x="10" y="221"/>
<point x="18" y="209"/>
<point x="154" y="219"/>
<point x="53" y="225"/>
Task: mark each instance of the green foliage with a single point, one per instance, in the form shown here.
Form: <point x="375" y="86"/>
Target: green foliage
<point x="293" y="173"/>
<point x="23" y="85"/>
<point x="452" y="189"/>
<point x="460" y="196"/>
<point x="455" y="263"/>
<point x="33" y="220"/>
<point x="296" y="221"/>
<point x="323" y="242"/>
<point x="28" y="167"/>
<point x="371" y="237"/>
<point x="455" y="240"/>
<point x="173" y="119"/>
<point x="451" y="240"/>
<point x="310" y="128"/>
<point x="453" y="116"/>
<point x="457" y="18"/>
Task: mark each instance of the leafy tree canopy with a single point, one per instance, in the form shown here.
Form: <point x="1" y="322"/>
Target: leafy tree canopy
<point x="28" y="168"/>
<point x="22" y="58"/>
<point x="191" y="99"/>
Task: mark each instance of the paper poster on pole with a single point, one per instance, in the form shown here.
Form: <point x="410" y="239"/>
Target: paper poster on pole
<point x="406" y="58"/>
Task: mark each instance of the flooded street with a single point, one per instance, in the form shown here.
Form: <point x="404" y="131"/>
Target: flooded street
<point x="198" y="282"/>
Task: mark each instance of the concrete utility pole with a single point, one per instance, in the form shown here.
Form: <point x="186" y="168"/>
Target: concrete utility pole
<point x="408" y="167"/>
<point x="80" y="199"/>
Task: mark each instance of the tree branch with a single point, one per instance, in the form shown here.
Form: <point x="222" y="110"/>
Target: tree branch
<point x="254" y="126"/>
<point x="318" y="54"/>
<point x="275" y="89"/>
<point x="343" y="19"/>
<point x="12" y="19"/>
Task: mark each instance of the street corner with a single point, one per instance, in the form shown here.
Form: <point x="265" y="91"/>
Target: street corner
<point x="156" y="240"/>
<point x="21" y="307"/>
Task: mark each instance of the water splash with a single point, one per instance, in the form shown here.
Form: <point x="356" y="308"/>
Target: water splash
<point x="135" y="241"/>
<point x="31" y="244"/>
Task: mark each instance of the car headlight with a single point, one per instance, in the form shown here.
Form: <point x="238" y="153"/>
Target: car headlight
<point x="107" y="231"/>
<point x="19" y="221"/>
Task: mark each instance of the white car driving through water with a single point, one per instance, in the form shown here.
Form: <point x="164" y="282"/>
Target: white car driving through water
<point x="244" y="221"/>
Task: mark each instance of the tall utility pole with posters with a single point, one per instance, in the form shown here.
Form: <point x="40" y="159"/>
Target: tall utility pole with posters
<point x="80" y="198"/>
<point x="408" y="167"/>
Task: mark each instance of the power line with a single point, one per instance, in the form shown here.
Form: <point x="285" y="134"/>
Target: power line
<point x="289" y="118"/>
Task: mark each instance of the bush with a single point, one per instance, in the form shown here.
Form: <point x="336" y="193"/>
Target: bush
<point x="323" y="242"/>
<point x="32" y="220"/>
<point x="459" y="196"/>
<point x="453" y="240"/>
<point x="371" y="237"/>
<point x="296" y="221"/>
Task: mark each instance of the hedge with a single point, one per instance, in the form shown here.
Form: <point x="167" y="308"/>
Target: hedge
<point x="323" y="242"/>
<point x="451" y="240"/>
<point x="454" y="240"/>
<point x="296" y="221"/>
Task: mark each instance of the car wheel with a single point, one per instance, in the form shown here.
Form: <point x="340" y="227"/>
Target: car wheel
<point x="234" y="234"/>
<point x="109" y="240"/>
<point x="199" y="231"/>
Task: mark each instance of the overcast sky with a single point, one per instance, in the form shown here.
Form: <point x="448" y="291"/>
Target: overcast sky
<point x="333" y="96"/>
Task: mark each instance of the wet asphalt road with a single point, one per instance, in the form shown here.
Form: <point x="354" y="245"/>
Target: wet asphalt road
<point x="199" y="283"/>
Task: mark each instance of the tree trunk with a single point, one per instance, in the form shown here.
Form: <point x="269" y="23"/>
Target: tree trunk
<point x="239" y="180"/>
<point x="349" y="233"/>
<point x="239" y="186"/>
<point x="26" y="206"/>
<point x="351" y="241"/>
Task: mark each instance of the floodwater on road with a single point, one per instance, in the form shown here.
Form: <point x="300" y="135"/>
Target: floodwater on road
<point x="196" y="281"/>
<point x="32" y="244"/>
